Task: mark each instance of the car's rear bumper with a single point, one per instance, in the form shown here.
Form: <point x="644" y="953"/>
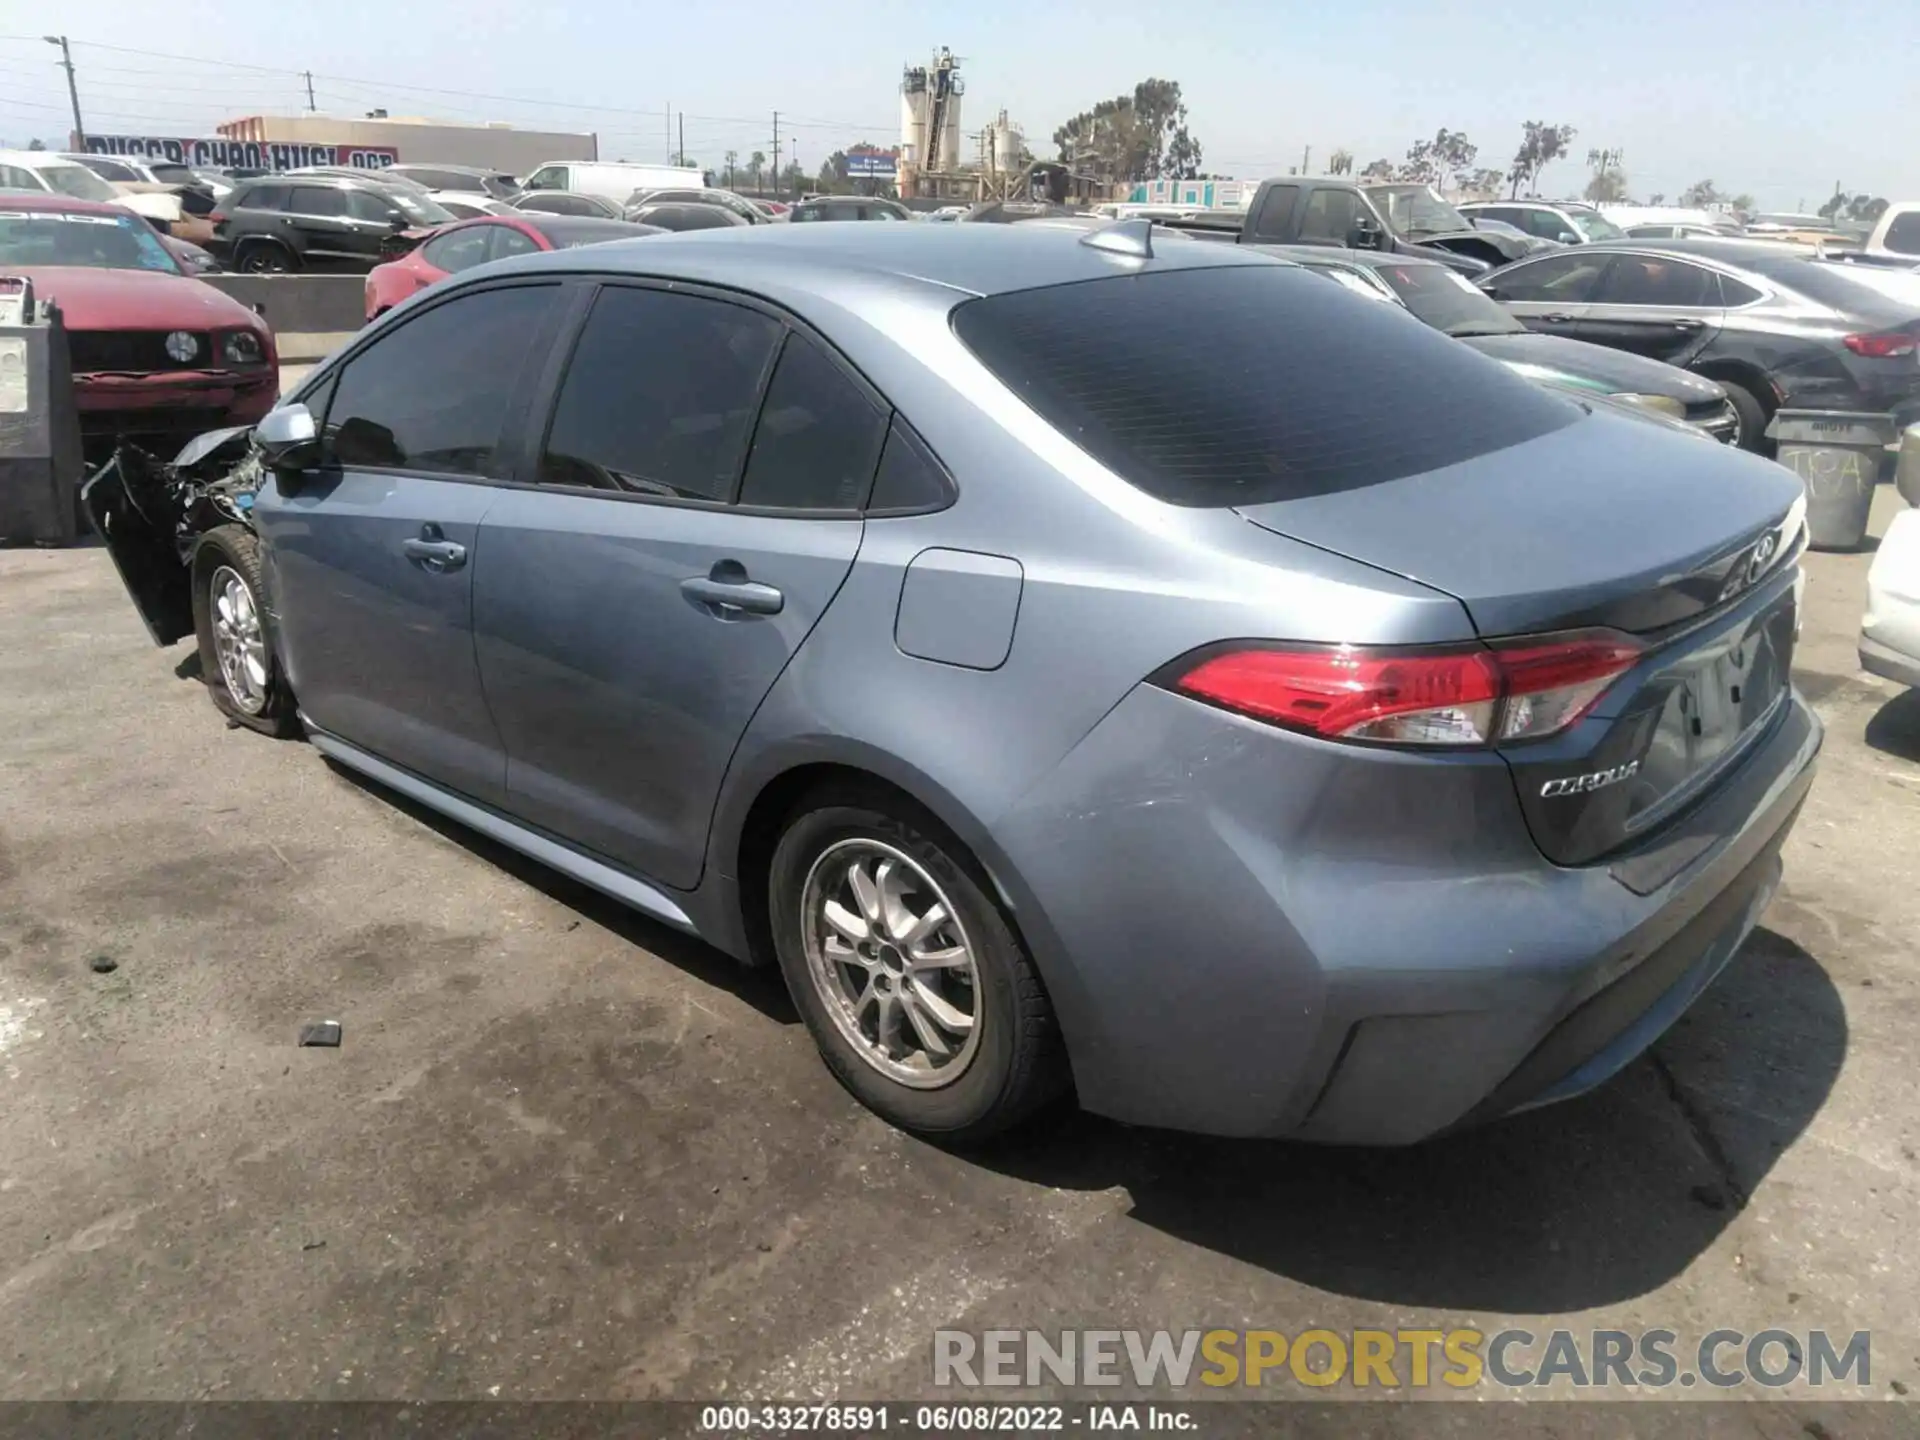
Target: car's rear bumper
<point x="1247" y="933"/>
<point x="1889" y="663"/>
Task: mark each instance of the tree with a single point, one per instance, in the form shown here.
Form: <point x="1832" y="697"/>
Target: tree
<point x="1378" y="170"/>
<point x="1540" y="145"/>
<point x="1699" y="195"/>
<point x="1483" y="184"/>
<point x="36" y="145"/>
<point x="1657" y="198"/>
<point x="1843" y="207"/>
<point x="756" y="167"/>
<point x="1438" y="161"/>
<point x="1340" y="163"/>
<point x="792" y="177"/>
<point x="1142" y="136"/>
<point x="733" y="159"/>
<point x="1609" y="182"/>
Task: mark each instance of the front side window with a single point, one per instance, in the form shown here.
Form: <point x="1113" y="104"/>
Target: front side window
<point x="818" y="438"/>
<point x="433" y="394"/>
<point x="1329" y="216"/>
<point x="1656" y="280"/>
<point x="1595" y="226"/>
<point x="459" y="250"/>
<point x="365" y="205"/>
<point x="659" y="396"/>
<point x="1244" y="385"/>
<point x="1557" y="279"/>
<point x="548" y="177"/>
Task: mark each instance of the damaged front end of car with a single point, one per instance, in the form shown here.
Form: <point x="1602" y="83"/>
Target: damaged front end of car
<point x="152" y="514"/>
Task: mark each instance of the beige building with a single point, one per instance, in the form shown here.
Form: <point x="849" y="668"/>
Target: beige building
<point x="495" y="146"/>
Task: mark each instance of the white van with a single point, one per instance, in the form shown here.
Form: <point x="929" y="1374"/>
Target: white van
<point x="610" y="180"/>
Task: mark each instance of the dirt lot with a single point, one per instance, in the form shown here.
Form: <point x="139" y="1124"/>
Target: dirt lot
<point x="564" y="1152"/>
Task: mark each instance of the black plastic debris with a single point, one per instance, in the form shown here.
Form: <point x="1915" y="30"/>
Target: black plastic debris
<point x="321" y="1032"/>
<point x="103" y="964"/>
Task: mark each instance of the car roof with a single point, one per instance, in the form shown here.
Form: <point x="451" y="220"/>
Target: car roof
<point x="41" y="200"/>
<point x="34" y="159"/>
<point x="975" y="260"/>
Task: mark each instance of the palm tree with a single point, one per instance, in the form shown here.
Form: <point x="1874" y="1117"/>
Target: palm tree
<point x="733" y="158"/>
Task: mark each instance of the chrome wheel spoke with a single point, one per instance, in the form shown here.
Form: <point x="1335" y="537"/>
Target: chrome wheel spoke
<point x="841" y="953"/>
<point x="953" y="957"/>
<point x="937" y="1005"/>
<point x="886" y="1023"/>
<point x="847" y="925"/>
<point x="919" y="931"/>
<point x="931" y="1040"/>
<point x="866" y="894"/>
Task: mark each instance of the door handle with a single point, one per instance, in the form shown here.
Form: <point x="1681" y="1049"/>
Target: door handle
<point x="1556" y="319"/>
<point x="722" y="592"/>
<point x="1685" y="326"/>
<point x="433" y="553"/>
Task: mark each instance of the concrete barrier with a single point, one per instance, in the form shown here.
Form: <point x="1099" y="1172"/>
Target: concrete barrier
<point x="298" y="305"/>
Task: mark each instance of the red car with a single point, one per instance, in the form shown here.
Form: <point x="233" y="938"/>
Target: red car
<point x="158" y="358"/>
<point x="453" y="248"/>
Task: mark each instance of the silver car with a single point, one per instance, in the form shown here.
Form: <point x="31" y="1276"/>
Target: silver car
<point x="1154" y="673"/>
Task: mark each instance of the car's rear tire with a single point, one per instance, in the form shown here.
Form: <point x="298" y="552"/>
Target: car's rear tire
<point x="1752" y="416"/>
<point x="264" y="257"/>
<point x="242" y="674"/>
<point x="939" y="1024"/>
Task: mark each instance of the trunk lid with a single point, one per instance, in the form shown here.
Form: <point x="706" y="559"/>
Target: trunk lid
<point x="1611" y="523"/>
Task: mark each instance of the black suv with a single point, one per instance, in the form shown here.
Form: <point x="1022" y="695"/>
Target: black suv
<point x="276" y="223"/>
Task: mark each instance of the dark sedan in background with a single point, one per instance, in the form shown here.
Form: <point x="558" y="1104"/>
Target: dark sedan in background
<point x="1450" y="303"/>
<point x="1777" y="326"/>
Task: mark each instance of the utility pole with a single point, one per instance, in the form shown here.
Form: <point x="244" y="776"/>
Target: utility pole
<point x="776" y="152"/>
<point x="309" y="78"/>
<point x="73" y="91"/>
<point x="1306" y="161"/>
<point x="683" y="137"/>
<point x="669" y="120"/>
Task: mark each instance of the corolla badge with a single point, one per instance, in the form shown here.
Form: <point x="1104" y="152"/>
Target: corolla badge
<point x="1583" y="784"/>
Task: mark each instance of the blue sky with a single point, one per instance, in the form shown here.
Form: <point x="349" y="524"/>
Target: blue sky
<point x="1779" y="100"/>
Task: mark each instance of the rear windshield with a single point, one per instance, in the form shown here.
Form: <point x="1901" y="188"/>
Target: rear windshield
<point x="1249" y="384"/>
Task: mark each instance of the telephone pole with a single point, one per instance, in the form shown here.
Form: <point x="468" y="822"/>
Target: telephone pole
<point x="1306" y="161"/>
<point x="683" y="137"/>
<point x="669" y="119"/>
<point x="776" y="152"/>
<point x="73" y="91"/>
<point x="308" y="76"/>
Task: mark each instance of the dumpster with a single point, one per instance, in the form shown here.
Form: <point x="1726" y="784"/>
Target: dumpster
<point x="1837" y="454"/>
<point x="39" y="426"/>
<point x="1906" y="475"/>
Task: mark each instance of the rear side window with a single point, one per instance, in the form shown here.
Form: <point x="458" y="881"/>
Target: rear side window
<point x="433" y="394"/>
<point x="264" y="197"/>
<point x="1657" y="280"/>
<point x="1903" y="235"/>
<point x="910" y="479"/>
<point x="818" y="438"/>
<point x="659" y="396"/>
<point x="1275" y="212"/>
<point x="1249" y="384"/>
<point x="318" y="200"/>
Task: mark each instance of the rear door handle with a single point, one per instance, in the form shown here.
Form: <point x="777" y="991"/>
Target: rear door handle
<point x="1556" y="319"/>
<point x="1687" y="326"/>
<point x="730" y="594"/>
<point x="433" y="552"/>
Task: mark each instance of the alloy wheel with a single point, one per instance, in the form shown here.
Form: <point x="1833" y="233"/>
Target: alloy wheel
<point x="239" y="641"/>
<point x="892" y="963"/>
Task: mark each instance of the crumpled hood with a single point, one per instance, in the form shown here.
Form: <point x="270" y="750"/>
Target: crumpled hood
<point x="1618" y="371"/>
<point x="94" y="299"/>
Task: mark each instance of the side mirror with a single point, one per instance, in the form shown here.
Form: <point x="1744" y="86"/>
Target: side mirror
<point x="1366" y="234"/>
<point x="1567" y="237"/>
<point x="287" y="438"/>
<point x="397" y="222"/>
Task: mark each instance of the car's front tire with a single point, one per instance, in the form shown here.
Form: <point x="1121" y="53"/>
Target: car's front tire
<point x="264" y="257"/>
<point x="237" y="662"/>
<point x="918" y="993"/>
<point x="1752" y="416"/>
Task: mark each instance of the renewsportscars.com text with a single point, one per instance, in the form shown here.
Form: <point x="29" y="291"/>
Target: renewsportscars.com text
<point x="1401" y="1359"/>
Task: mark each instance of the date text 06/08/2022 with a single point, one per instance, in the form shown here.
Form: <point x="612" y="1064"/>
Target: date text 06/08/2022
<point x="961" y="1419"/>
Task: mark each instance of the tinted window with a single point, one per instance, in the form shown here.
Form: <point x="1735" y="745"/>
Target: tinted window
<point x="1903" y="235"/>
<point x="504" y="240"/>
<point x="433" y="394"/>
<point x="265" y="197"/>
<point x="1734" y="292"/>
<point x="12" y="177"/>
<point x="1546" y="224"/>
<point x="818" y="438"/>
<point x="1655" y="280"/>
<point x="548" y="177"/>
<point x="659" y="395"/>
<point x="910" y="478"/>
<point x="317" y="200"/>
<point x="1329" y="216"/>
<point x="1275" y="212"/>
<point x="1447" y="300"/>
<point x="365" y="205"/>
<point x="460" y="249"/>
<point x="112" y="169"/>
<point x="1562" y="279"/>
<point x="1506" y="213"/>
<point x="1243" y="385"/>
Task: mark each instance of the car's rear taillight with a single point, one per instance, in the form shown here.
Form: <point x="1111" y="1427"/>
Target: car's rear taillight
<point x="1478" y="696"/>
<point x="1889" y="345"/>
